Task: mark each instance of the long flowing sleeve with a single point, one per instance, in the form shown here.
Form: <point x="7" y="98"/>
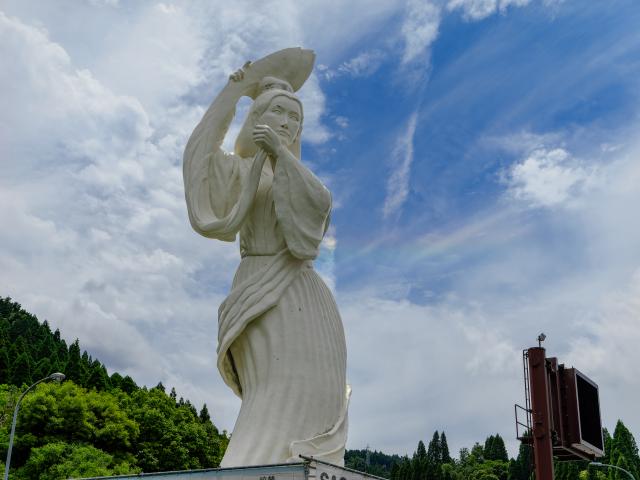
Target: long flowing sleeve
<point x="213" y="183"/>
<point x="219" y="186"/>
<point x="302" y="205"/>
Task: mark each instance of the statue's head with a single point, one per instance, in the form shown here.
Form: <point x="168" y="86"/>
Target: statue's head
<point x="281" y="111"/>
<point x="270" y="83"/>
<point x="277" y="107"/>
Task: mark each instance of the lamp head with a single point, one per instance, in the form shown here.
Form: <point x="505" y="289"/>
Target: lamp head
<point x="58" y="377"/>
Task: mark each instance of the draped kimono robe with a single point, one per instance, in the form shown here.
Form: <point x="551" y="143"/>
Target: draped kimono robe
<point x="281" y="345"/>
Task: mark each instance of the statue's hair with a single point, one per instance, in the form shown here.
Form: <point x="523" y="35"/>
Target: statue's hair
<point x="245" y="147"/>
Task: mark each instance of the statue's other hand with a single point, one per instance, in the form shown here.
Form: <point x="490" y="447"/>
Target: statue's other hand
<point x="238" y="75"/>
<point x="268" y="140"/>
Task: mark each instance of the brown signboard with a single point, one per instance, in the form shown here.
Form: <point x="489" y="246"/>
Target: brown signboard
<point x="581" y="404"/>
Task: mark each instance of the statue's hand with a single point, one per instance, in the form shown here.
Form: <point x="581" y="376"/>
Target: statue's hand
<point x="265" y="138"/>
<point x="238" y="75"/>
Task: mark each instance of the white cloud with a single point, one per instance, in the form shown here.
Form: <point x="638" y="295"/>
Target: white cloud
<point x="154" y="57"/>
<point x="402" y="158"/>
<point x="419" y="29"/>
<point x="68" y="111"/>
<point x="429" y="361"/>
<point x="474" y="10"/>
<point x="352" y="21"/>
<point x="594" y="349"/>
<point x="342" y="122"/>
<point x="547" y="178"/>
<point x="325" y="264"/>
<point x="314" y="106"/>
<point x="480" y="9"/>
<point x="362" y="65"/>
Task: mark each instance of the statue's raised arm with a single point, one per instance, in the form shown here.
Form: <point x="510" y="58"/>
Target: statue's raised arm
<point x="213" y="177"/>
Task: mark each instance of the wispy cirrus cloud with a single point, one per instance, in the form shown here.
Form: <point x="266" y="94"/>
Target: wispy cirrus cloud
<point x="479" y="9"/>
<point x="362" y="65"/>
<point x="397" y="188"/>
<point x="419" y="28"/>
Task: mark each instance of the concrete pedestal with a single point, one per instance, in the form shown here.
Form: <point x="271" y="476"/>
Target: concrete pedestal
<point x="306" y="469"/>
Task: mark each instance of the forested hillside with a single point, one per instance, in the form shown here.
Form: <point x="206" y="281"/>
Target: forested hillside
<point x="92" y="423"/>
<point x="95" y="424"/>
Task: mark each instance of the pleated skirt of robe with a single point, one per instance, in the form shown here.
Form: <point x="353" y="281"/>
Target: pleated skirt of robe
<point x="291" y="363"/>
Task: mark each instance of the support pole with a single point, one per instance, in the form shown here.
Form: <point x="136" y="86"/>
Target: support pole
<point x="541" y="414"/>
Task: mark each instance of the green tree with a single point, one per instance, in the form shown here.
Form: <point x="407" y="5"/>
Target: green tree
<point x="204" y="414"/>
<point x="444" y="449"/>
<point x="172" y="438"/>
<point x="45" y="346"/>
<point x="61" y="346"/>
<point x="97" y="378"/>
<point x="624" y="452"/>
<point x="406" y="469"/>
<point x="61" y="460"/>
<point x="128" y="385"/>
<point x="434" y="453"/>
<point x="42" y="368"/>
<point x="74" y="368"/>
<point x="494" y="448"/>
<point x="5" y="366"/>
<point x="70" y="412"/>
<point x="477" y="452"/>
<point x="21" y="370"/>
<point x="22" y="326"/>
<point x="467" y="464"/>
<point x="395" y="470"/>
<point x="434" y="458"/>
<point x="419" y="462"/>
<point x="523" y="464"/>
<point x="379" y="463"/>
<point x="115" y="380"/>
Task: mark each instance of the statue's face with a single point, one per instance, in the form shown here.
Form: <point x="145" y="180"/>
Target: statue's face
<point x="283" y="115"/>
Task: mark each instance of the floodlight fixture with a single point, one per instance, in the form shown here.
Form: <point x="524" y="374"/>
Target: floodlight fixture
<point x="541" y="338"/>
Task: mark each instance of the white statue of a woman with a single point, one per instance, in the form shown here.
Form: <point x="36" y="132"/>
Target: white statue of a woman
<point x="281" y="345"/>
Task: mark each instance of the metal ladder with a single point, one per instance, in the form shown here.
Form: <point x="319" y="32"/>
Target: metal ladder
<point x="526" y="436"/>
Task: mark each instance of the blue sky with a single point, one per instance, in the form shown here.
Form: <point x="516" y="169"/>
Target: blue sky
<point x="483" y="157"/>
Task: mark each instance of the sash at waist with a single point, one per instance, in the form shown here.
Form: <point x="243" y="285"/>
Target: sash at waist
<point x="251" y="254"/>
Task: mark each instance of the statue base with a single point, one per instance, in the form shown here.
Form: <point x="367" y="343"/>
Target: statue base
<point x="307" y="469"/>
